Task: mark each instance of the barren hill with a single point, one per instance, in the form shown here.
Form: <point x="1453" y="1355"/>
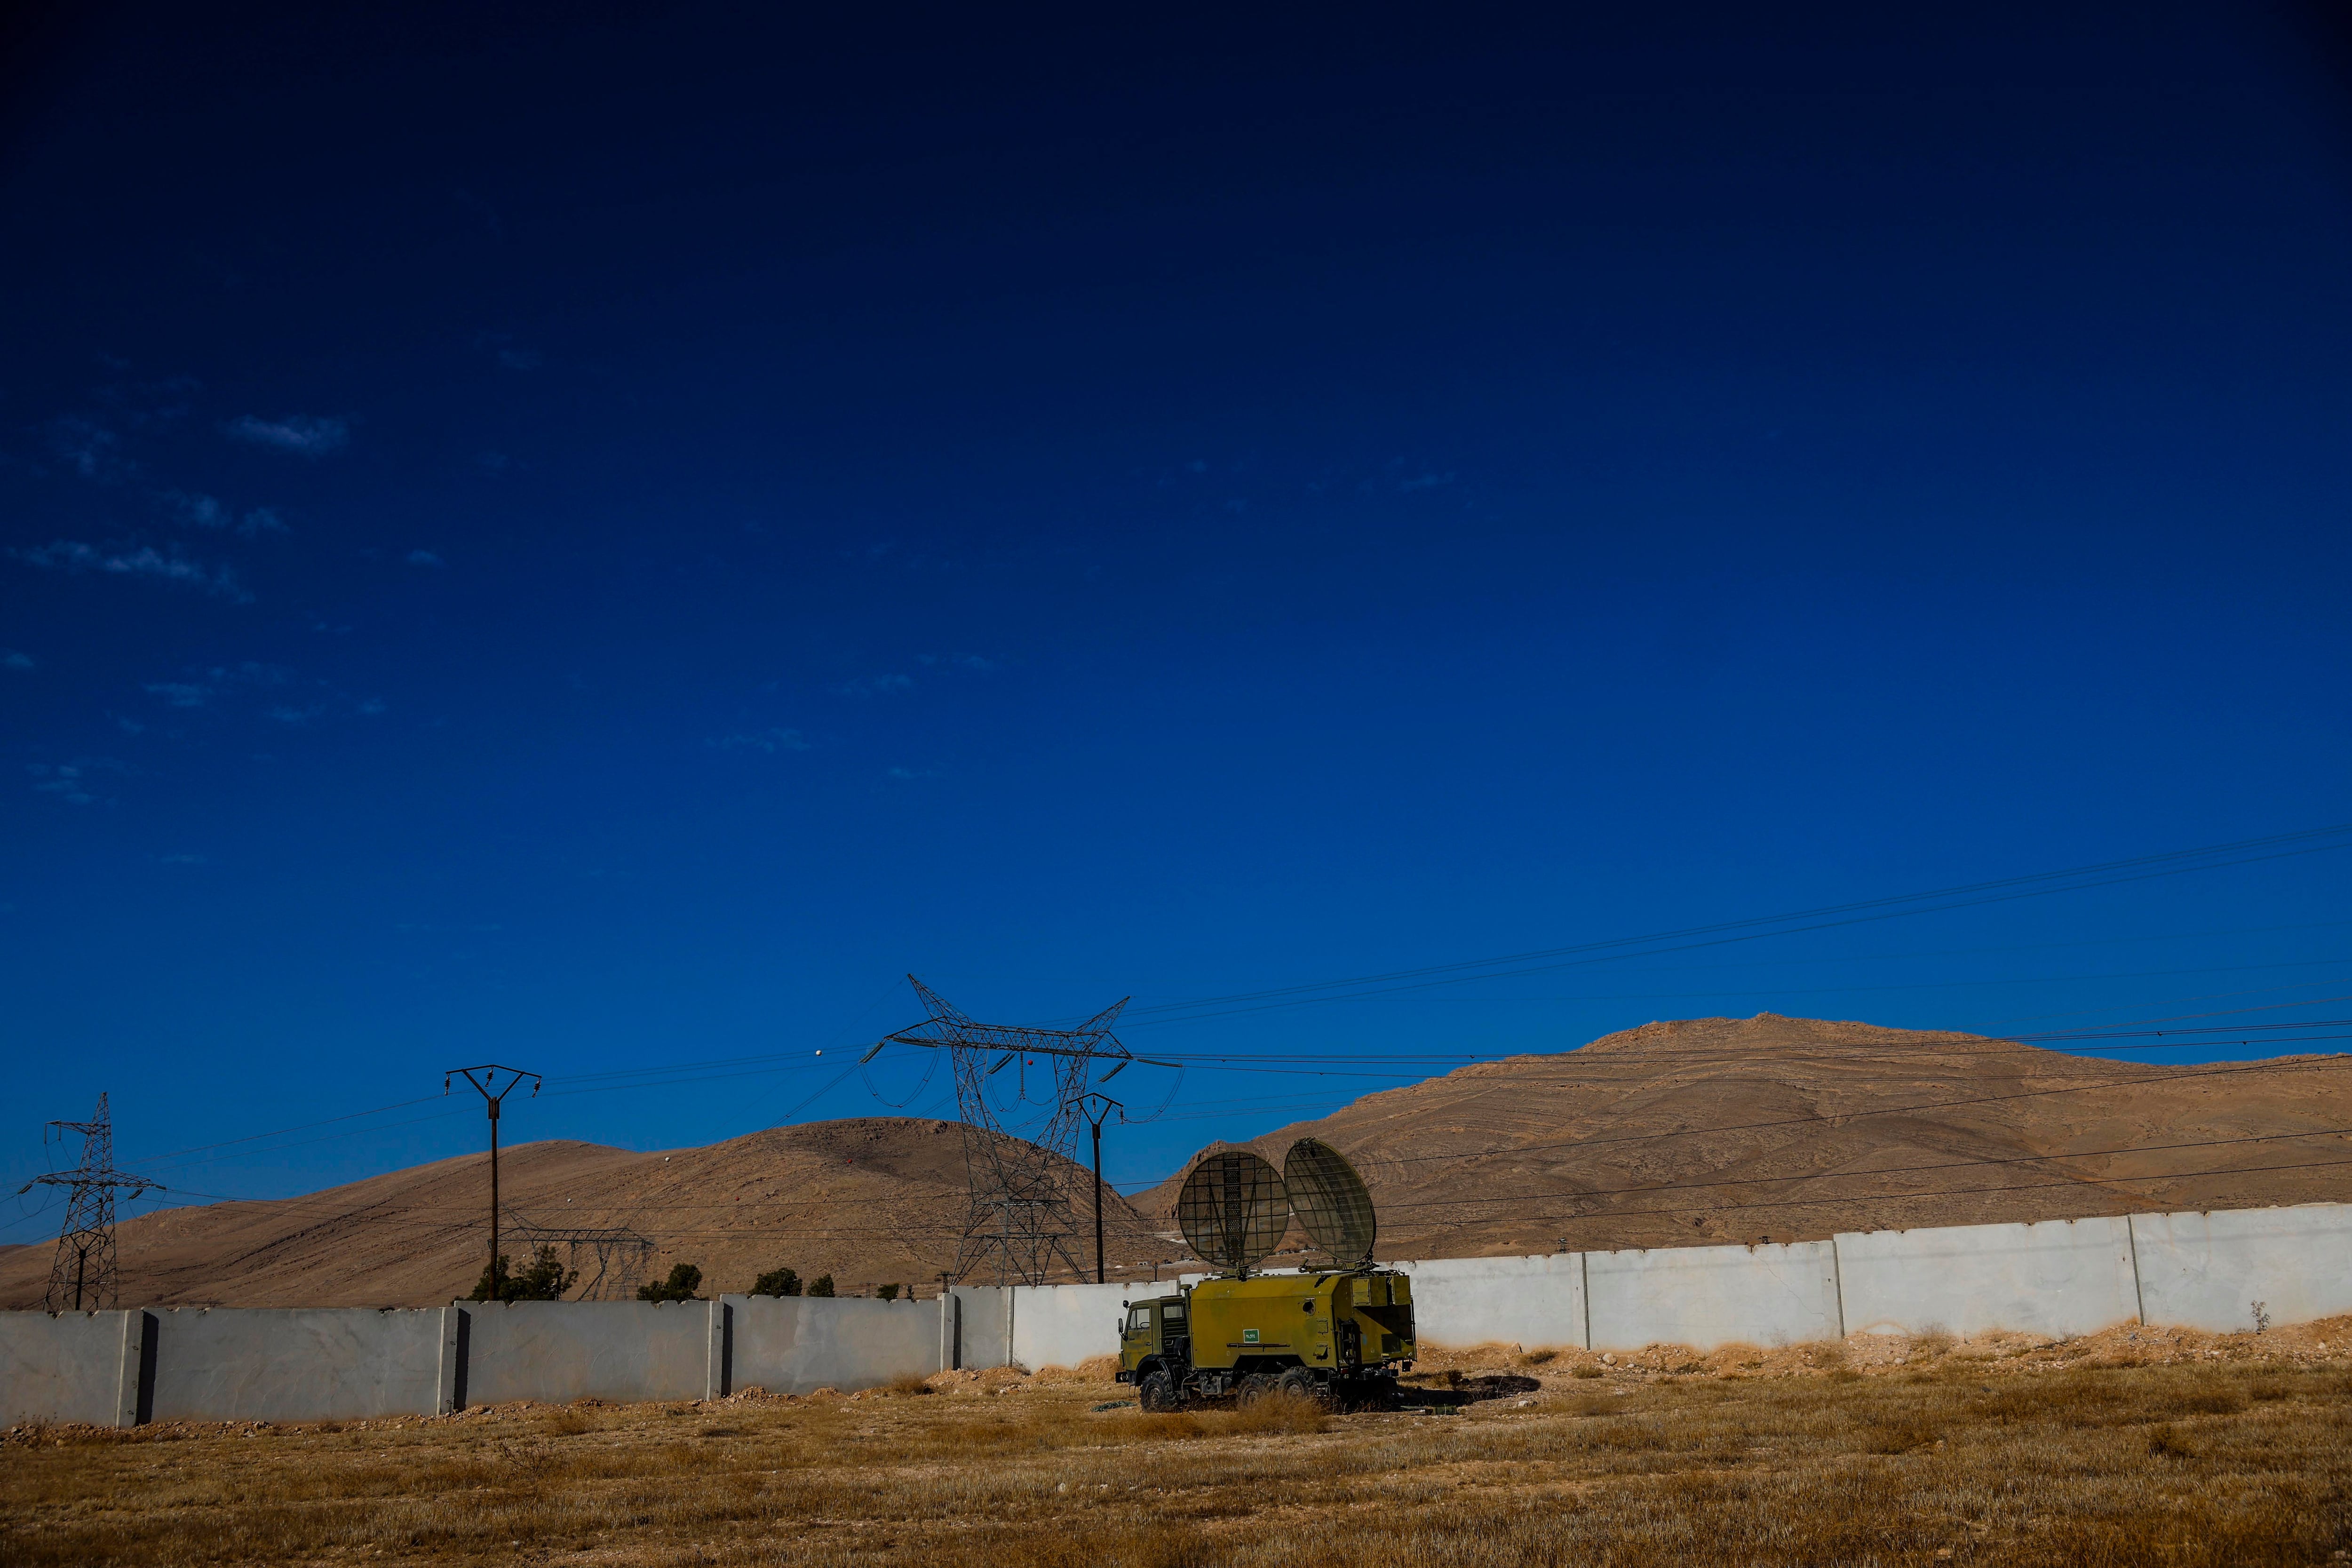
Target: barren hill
<point x="1715" y="1129"/>
<point x="1671" y="1134"/>
<point x="870" y="1201"/>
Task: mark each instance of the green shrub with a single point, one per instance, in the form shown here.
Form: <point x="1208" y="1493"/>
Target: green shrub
<point x="544" y="1278"/>
<point x="777" y="1282"/>
<point x="684" y="1281"/>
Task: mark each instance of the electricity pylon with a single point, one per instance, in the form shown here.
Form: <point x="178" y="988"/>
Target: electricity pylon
<point x="1020" y="1220"/>
<point x="82" y="1275"/>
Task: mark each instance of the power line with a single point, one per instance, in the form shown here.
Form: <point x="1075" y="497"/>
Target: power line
<point x="1969" y="895"/>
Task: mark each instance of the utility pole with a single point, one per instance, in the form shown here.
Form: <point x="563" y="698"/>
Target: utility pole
<point x="493" y="1096"/>
<point x="87" y="1237"/>
<point x="1096" y="1108"/>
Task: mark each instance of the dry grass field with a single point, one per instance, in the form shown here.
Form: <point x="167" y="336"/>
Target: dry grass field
<point x="2129" y="1447"/>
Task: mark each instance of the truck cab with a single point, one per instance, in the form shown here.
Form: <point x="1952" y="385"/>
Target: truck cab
<point x="1154" y="1333"/>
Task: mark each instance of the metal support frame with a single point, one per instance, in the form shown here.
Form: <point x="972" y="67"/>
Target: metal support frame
<point x="87" y="1237"/>
<point x="1019" y="1222"/>
<point x="605" y="1244"/>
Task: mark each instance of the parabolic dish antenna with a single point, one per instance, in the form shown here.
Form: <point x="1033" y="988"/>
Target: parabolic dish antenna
<point x="1232" y="1209"/>
<point x="1330" y="1200"/>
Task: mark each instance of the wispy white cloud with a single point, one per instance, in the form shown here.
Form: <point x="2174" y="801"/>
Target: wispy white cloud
<point x="195" y="510"/>
<point x="179" y="693"/>
<point x="305" y="434"/>
<point x="63" y="780"/>
<point x="184" y="860"/>
<point x="71" y="783"/>
<point x="1426" y="482"/>
<point x="878" y="686"/>
<point x="11" y="659"/>
<point x="768" y="741"/>
<point x="508" y="353"/>
<point x="425" y="558"/>
<point x="894" y="772"/>
<point x="220" y="679"/>
<point x="141" y="561"/>
<point x="87" y="449"/>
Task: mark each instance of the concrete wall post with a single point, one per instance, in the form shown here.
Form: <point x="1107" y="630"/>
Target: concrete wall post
<point x="450" y="1393"/>
<point x="128" y="1379"/>
<point x="717" y="1381"/>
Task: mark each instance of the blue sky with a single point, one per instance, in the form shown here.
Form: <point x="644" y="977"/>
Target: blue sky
<point x="603" y="543"/>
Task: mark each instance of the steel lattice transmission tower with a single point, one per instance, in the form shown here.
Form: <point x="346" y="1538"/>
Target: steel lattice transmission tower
<point x="1020" y="1220"/>
<point x="82" y="1275"/>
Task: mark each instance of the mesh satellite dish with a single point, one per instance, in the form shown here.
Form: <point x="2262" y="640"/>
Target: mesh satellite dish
<point x="1232" y="1209"/>
<point x="1330" y="1200"/>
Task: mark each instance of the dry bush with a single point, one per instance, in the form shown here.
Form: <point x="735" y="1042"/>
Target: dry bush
<point x="1588" y="1370"/>
<point x="1272" y="1413"/>
<point x="909" y="1383"/>
<point x="1539" y="1358"/>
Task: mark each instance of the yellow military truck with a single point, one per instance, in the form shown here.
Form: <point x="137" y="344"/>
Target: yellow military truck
<point x="1338" y="1337"/>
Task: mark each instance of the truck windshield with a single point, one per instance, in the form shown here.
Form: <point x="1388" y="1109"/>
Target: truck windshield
<point x="1138" y="1318"/>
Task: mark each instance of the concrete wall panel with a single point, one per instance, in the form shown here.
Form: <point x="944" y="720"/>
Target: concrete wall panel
<point x="2207" y="1270"/>
<point x="557" y="1352"/>
<point x="1778" y="1293"/>
<point x="1532" y="1303"/>
<point x="795" y="1345"/>
<point x="1062" y="1325"/>
<point x="979" y="1330"/>
<point x="71" y="1367"/>
<point x="335" y="1363"/>
<point x="2057" y="1276"/>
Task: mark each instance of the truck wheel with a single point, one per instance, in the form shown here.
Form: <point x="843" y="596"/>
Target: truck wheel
<point x="1299" y="1383"/>
<point x="1157" y="1392"/>
<point x="1254" y="1387"/>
